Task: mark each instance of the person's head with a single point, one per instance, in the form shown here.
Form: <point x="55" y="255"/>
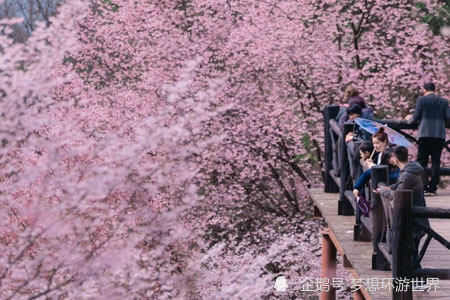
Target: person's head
<point x="357" y="100"/>
<point x="380" y="140"/>
<point x="400" y="155"/>
<point x="388" y="156"/>
<point x="354" y="111"/>
<point x="429" y="88"/>
<point x="365" y="149"/>
<point x="349" y="92"/>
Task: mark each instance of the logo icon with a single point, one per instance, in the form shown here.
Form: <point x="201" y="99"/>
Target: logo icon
<point x="280" y="284"/>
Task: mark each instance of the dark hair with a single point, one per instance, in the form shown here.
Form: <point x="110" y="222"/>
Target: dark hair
<point x="388" y="152"/>
<point x="357" y="100"/>
<point x="354" y="109"/>
<point x="366" y="146"/>
<point x="401" y="153"/>
<point x="381" y="135"/>
<point x="429" y="86"/>
<point x="386" y="155"/>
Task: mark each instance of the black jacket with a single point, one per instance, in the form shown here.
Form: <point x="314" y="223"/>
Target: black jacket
<point x="431" y="111"/>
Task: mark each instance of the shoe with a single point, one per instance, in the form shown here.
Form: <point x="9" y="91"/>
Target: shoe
<point x="430" y="192"/>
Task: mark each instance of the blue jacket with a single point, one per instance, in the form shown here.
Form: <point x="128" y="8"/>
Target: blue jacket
<point x="365" y="177"/>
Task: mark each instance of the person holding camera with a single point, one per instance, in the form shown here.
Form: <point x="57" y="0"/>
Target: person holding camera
<point x="353" y="111"/>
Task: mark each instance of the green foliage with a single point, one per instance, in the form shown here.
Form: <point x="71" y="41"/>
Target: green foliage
<point x="113" y="6"/>
<point x="436" y="20"/>
<point x="309" y="156"/>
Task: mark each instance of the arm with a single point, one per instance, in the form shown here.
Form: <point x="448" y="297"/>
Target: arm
<point x="362" y="180"/>
<point x="417" y="112"/>
<point x="369" y="163"/>
<point x="388" y="192"/>
<point x="393" y="176"/>
<point x="384" y="191"/>
<point x="447" y="111"/>
<point x="342" y="120"/>
<point x="447" y="114"/>
<point x="400" y="184"/>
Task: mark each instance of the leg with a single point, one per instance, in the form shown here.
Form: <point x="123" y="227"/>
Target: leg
<point x="436" y="152"/>
<point x="422" y="158"/>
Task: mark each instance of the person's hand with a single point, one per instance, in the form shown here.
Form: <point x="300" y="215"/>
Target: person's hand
<point x="356" y="193"/>
<point x="369" y="163"/>
<point x="408" y="117"/>
<point x="381" y="189"/>
<point x="349" y="137"/>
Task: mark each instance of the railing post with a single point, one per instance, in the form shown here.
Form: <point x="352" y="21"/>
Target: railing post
<point x="402" y="244"/>
<point x="328" y="265"/>
<point x="329" y="112"/>
<point x="378" y="174"/>
<point x="344" y="206"/>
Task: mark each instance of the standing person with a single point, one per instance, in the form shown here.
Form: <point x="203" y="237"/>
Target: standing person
<point x="351" y="97"/>
<point x="431" y="111"/>
<point x="410" y="178"/>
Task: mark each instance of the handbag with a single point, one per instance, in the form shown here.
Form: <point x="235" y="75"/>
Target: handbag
<point x="364" y="205"/>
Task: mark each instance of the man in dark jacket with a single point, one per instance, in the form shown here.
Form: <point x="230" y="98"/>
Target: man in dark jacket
<point x="366" y="112"/>
<point x="354" y="111"/>
<point x="410" y="178"/>
<point x="351" y="96"/>
<point x="431" y="111"/>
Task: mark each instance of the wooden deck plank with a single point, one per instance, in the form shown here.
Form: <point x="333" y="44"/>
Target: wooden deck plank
<point x="359" y="254"/>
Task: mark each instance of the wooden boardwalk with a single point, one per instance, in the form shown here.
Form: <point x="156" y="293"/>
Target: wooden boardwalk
<point x="358" y="255"/>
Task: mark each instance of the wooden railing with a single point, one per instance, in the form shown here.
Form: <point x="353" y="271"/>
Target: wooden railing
<point x="389" y="223"/>
<point x="397" y="247"/>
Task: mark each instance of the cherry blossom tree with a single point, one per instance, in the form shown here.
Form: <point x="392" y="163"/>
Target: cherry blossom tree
<point x="163" y="148"/>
